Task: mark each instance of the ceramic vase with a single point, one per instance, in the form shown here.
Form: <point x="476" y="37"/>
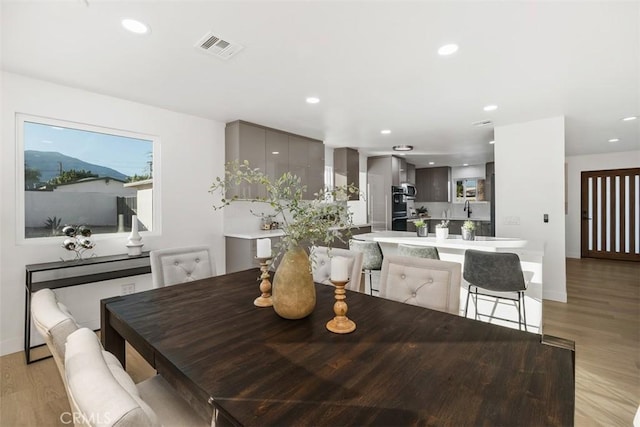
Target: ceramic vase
<point x="293" y="293"/>
<point x="468" y="234"/>
<point x="442" y="233"/>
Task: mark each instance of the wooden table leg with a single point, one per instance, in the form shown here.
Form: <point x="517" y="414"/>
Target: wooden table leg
<point x="112" y="341"/>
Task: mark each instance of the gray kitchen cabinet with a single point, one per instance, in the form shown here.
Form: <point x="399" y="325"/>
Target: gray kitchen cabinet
<point x="315" y="171"/>
<point x="277" y="154"/>
<point x="257" y="144"/>
<point x="382" y="173"/>
<point x="241" y="254"/>
<point x="354" y="232"/>
<point x="396" y="165"/>
<point x="411" y="173"/>
<point x="489" y="172"/>
<point x="433" y="184"/>
<point x="306" y="160"/>
<point x="402" y="171"/>
<point x="346" y="167"/>
<point x="244" y="141"/>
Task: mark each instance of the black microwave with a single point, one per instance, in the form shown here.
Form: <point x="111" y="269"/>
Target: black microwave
<point x="406" y="189"/>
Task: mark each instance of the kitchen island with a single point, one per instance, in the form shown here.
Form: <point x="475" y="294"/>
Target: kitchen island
<point x="452" y="249"/>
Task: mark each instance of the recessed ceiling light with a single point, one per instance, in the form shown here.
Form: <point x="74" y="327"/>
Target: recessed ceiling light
<point x="385" y="131"/>
<point x="614" y="140"/>
<point x="432" y="163"/>
<point x="628" y="119"/>
<point x="57" y="128"/>
<point x="490" y="107"/>
<point x="135" y="26"/>
<point x="312" y="100"/>
<point x="492" y="142"/>
<point x="402" y="147"/>
<point x="448" y="49"/>
<point x="275" y="152"/>
<point x="465" y="164"/>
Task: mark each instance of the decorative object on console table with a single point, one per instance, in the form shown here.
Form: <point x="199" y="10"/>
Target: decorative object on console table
<point x="469" y="230"/>
<point x="134" y="244"/>
<point x="316" y="222"/>
<point x="422" y="228"/>
<point x="340" y="324"/>
<point x="78" y="240"/>
<point x="263" y="255"/>
<point x="442" y="230"/>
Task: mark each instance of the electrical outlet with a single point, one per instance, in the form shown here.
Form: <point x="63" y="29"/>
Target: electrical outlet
<point x="128" y="289"/>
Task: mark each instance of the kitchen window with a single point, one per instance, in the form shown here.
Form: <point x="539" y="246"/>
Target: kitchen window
<point x="472" y="190"/>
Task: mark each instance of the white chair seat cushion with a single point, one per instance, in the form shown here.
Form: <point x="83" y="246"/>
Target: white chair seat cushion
<point x="96" y="392"/>
<point x="172" y="409"/>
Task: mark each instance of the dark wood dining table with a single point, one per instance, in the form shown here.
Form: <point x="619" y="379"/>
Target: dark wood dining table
<point x="403" y="365"/>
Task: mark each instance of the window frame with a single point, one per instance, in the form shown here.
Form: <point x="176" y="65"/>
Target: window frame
<point x="20" y="213"/>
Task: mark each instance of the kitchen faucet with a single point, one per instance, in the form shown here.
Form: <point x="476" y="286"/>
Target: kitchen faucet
<point x="467" y="208"/>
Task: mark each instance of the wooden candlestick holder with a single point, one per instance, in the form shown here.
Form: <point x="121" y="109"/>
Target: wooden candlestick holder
<point x="340" y="324"/>
<point x="264" y="300"/>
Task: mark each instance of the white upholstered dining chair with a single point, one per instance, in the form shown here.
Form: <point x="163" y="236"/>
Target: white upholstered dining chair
<point x="425" y="282"/>
<point x="101" y="393"/>
<point x="181" y="265"/>
<point x="54" y="322"/>
<point x="321" y="267"/>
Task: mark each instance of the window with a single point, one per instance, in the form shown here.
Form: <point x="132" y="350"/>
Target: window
<point x="76" y="174"/>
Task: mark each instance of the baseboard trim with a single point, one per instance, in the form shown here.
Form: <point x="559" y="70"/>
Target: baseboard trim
<point x="554" y="296"/>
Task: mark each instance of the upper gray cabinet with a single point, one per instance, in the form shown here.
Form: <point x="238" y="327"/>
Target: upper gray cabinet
<point x="274" y="152"/>
<point x="244" y="141"/>
<point x="489" y="174"/>
<point x="346" y="167"/>
<point x="411" y="173"/>
<point x="433" y="184"/>
<point x="277" y="153"/>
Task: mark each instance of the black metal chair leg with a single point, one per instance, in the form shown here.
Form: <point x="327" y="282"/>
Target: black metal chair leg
<point x="466" y="306"/>
<point x="524" y="311"/>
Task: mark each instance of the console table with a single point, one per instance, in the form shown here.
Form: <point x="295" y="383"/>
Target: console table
<point x="62" y="274"/>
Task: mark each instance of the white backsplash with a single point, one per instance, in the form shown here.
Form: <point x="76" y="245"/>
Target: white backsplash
<point x="455" y="210"/>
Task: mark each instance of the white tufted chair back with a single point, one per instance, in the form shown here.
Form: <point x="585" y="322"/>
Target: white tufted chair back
<point x="181" y="265"/>
<point x="425" y="282"/>
<point x="54" y="322"/>
<point x="322" y="266"/>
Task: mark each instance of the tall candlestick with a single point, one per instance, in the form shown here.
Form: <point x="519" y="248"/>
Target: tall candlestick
<point x="339" y="269"/>
<point x="263" y="247"/>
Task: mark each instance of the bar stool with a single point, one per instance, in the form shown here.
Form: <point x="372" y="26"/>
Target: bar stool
<point x="430" y="252"/>
<point x="372" y="258"/>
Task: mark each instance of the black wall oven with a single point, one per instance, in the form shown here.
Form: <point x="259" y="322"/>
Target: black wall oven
<point x="399" y="214"/>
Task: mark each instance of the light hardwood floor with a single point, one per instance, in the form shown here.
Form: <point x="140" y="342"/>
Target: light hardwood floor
<point x="602" y="316"/>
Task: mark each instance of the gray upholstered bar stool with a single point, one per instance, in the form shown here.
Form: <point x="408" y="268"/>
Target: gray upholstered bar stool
<point x="430" y="252"/>
<point x="497" y="272"/>
<point x="372" y="258"/>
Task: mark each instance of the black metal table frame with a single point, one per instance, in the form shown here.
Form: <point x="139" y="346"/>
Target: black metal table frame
<point x="82" y="279"/>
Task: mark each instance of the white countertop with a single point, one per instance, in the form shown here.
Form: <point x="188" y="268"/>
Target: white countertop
<point x="262" y="234"/>
<point x="455" y="218"/>
<point x="453" y="242"/>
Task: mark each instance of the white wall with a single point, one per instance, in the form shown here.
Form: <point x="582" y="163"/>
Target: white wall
<point x="189" y="161"/>
<point x="529" y="162"/>
<point x="576" y="165"/>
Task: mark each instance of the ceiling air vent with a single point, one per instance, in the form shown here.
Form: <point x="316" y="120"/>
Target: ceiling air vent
<point x="482" y="123"/>
<point x="215" y="45"/>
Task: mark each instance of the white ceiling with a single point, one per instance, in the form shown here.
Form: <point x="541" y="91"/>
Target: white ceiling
<point x="373" y="65"/>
